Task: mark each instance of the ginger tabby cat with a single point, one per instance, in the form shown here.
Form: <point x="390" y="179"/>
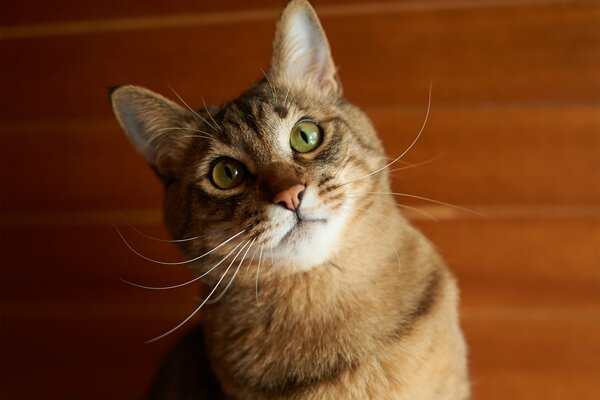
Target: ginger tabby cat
<point x="339" y="296"/>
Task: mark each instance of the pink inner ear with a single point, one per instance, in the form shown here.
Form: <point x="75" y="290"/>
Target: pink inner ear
<point x="302" y="56"/>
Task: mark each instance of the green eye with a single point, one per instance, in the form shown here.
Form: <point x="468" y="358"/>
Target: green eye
<point x="305" y="136"/>
<point x="228" y="173"/>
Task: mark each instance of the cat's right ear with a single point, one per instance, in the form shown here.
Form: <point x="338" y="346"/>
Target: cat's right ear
<point x="301" y="54"/>
<point x="151" y="122"/>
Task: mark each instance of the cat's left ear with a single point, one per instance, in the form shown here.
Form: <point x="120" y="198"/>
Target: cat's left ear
<point x="155" y="126"/>
<point x="301" y="54"/>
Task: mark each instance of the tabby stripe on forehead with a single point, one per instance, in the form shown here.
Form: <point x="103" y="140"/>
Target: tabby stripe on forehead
<point x="232" y="122"/>
<point x="247" y="113"/>
<point x="356" y="135"/>
<point x="281" y="111"/>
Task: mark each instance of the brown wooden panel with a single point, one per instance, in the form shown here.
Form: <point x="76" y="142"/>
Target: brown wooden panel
<point x="521" y="263"/>
<point x="529" y="54"/>
<point x="489" y="155"/>
<point x="80" y="165"/>
<point x="20" y="12"/>
<point x="528" y="358"/>
<point x="71" y="261"/>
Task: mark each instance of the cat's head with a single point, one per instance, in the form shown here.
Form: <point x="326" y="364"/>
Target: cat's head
<point x="276" y="169"/>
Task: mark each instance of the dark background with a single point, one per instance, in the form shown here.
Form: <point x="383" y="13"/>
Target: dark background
<point x="515" y="122"/>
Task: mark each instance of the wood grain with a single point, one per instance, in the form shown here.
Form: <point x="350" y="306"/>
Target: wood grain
<point x="519" y="54"/>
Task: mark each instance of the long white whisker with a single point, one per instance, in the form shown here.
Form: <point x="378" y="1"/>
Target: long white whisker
<point x="408" y="165"/>
<point x="198" y="136"/>
<point x="136" y="230"/>
<point x="418" y="210"/>
<point x="405" y="151"/>
<point x="205" y="135"/>
<point x="176" y="262"/>
<point x="191" y="109"/>
<point x="271" y="85"/>
<point x="184" y="283"/>
<point x="234" y="274"/>
<point x="426" y="199"/>
<point x="210" y="115"/>
<point x="419" y="164"/>
<point x="286" y="95"/>
<point x="201" y="305"/>
<point x="260" y="258"/>
<point x="182" y="128"/>
<point x="250" y="262"/>
<point x="415" y="209"/>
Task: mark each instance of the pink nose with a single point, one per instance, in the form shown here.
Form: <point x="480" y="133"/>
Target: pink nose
<point x="290" y="198"/>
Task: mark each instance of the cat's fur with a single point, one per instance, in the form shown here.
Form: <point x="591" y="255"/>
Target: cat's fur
<point x="356" y="305"/>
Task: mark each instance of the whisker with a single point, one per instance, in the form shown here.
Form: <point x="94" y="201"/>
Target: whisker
<point x="415" y="209"/>
<point x="184" y="283"/>
<point x="202" y="304"/>
<point x="176" y="262"/>
<point x="418" y="210"/>
<point x="210" y="115"/>
<point x="182" y="128"/>
<point x="234" y="274"/>
<point x="136" y="230"/>
<point x="405" y="151"/>
<point x="205" y="135"/>
<point x="194" y="112"/>
<point x="260" y="258"/>
<point x="270" y="85"/>
<point x="426" y="199"/>
<point x="408" y="166"/>
<point x="286" y="94"/>
<point x="421" y="163"/>
<point x="198" y="136"/>
<point x="251" y="259"/>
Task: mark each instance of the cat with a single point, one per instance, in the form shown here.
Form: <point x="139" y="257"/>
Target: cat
<point x="339" y="296"/>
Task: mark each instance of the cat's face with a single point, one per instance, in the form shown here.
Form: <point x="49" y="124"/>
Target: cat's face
<point x="271" y="172"/>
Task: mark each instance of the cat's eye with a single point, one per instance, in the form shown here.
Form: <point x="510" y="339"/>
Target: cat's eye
<point x="228" y="173"/>
<point x="305" y="136"/>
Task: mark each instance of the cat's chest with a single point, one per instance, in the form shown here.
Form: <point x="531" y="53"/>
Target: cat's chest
<point x="273" y="350"/>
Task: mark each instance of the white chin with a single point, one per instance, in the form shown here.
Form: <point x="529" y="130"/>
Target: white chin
<point x="308" y="244"/>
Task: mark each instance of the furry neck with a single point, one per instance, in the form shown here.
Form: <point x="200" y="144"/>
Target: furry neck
<point x="310" y="325"/>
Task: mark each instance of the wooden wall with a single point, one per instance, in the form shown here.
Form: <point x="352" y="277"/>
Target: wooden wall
<point x="514" y="128"/>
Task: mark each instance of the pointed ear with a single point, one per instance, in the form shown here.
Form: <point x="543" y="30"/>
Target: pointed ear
<point x="151" y="121"/>
<point x="301" y="53"/>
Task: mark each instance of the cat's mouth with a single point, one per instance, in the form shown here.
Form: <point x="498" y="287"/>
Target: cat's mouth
<point x="301" y="229"/>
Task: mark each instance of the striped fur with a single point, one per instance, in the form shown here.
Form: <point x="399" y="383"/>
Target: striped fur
<point x="356" y="306"/>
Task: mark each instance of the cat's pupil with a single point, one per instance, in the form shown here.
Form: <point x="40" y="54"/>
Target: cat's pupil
<point x="304" y="136"/>
<point x="228" y="172"/>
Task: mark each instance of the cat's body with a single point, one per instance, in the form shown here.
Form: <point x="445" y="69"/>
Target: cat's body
<point x="339" y="297"/>
<point x="315" y="335"/>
